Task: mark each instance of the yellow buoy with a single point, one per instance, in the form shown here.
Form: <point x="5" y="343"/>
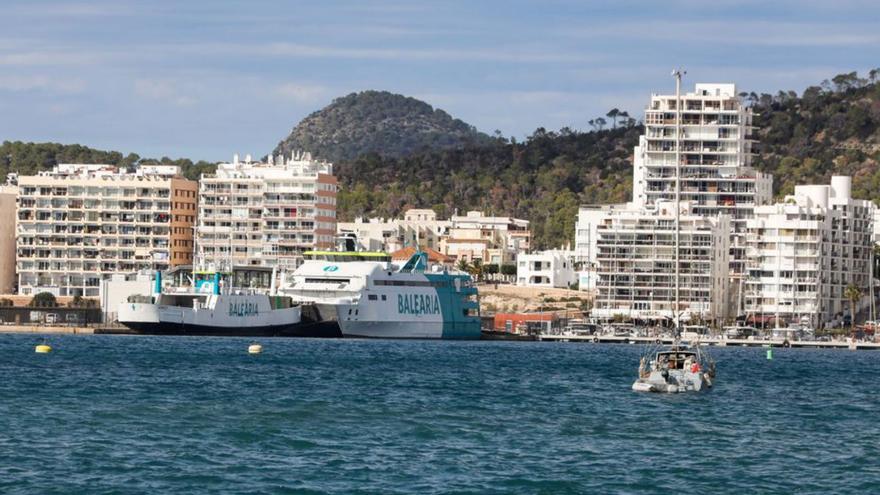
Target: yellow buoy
<point x="43" y="349"/>
<point x="255" y="349"/>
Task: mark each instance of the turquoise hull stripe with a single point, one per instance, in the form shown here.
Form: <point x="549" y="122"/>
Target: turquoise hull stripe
<point x="455" y="324"/>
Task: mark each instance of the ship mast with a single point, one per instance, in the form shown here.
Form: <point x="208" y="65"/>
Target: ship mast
<point x="677" y="73"/>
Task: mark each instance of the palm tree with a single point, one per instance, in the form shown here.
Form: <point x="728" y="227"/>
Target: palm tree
<point x="463" y="265"/>
<point x="854" y="294"/>
<point x="477" y="269"/>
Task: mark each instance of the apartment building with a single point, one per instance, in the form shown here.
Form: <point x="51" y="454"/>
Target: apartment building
<point x="79" y="224"/>
<point x="8" y="198"/>
<point x="636" y="265"/>
<point x="711" y="156"/>
<point x="715" y="158"/>
<point x="254" y="213"/>
<point x="419" y="227"/>
<point x="805" y="251"/>
<point x="514" y="231"/>
<point x="470" y="237"/>
<point x="552" y="268"/>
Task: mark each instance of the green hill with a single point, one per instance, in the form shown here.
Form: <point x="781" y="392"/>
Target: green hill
<point x="380" y="122"/>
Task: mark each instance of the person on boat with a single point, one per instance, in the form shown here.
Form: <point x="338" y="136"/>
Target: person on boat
<point x="695" y="367"/>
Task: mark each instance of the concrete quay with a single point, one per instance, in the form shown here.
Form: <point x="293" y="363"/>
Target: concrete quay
<point x="610" y="339"/>
<point x="46" y="329"/>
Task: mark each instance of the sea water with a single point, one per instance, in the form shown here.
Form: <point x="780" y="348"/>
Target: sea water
<point x="125" y="414"/>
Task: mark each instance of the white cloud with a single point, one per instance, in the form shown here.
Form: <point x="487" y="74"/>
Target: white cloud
<point x="298" y="50"/>
<point x="737" y="32"/>
<point x="48" y="57"/>
<point x="17" y="83"/>
<point x="302" y="93"/>
<point x="164" y="90"/>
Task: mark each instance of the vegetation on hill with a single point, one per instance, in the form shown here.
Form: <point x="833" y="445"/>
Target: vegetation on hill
<point x="833" y="128"/>
<point x="377" y="122"/>
<point x="543" y="179"/>
<point x="30" y="158"/>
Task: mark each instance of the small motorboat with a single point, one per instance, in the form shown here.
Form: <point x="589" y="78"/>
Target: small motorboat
<point x="676" y="368"/>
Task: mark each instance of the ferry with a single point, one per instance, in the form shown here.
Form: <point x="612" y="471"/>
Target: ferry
<point x="367" y="295"/>
<point x="210" y="305"/>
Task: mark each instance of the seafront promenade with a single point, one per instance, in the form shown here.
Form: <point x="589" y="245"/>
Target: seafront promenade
<point x="592" y="339"/>
<point x="47" y="329"/>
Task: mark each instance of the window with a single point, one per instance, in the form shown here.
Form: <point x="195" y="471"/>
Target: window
<point x="372" y="297"/>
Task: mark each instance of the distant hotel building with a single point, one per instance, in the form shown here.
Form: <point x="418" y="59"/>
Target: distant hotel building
<point x="635" y="264"/>
<point x="804" y="251"/>
<point x="79" y="224"/>
<point x="253" y="213"/>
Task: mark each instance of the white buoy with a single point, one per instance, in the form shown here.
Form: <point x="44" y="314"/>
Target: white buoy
<point x="255" y="349"/>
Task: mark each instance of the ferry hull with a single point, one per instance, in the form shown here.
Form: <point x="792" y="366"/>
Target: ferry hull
<point x="245" y="316"/>
<point x="391" y="330"/>
<point x="165" y="328"/>
<point x="409" y="330"/>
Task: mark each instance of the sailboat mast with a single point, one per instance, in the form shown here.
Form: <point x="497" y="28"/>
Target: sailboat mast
<point x="677" y="307"/>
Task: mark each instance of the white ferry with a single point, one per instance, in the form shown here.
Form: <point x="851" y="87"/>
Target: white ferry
<point x="369" y="296"/>
<point x="210" y="305"/>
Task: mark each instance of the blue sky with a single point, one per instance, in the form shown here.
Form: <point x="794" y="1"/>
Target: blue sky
<point x="206" y="79"/>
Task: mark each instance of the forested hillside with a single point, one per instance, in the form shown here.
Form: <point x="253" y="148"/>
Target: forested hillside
<point x="377" y="122"/>
<point x="30" y="158"/>
<point x="833" y="128"/>
<point x="543" y="179"/>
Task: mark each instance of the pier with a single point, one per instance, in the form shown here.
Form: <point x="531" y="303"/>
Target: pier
<point x="720" y="342"/>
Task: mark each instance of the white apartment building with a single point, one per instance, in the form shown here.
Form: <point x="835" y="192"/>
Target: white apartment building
<point x="491" y="240"/>
<point x="553" y="268"/>
<point x="588" y="220"/>
<point x="419" y="227"/>
<point x="514" y="231"/>
<point x="715" y="158"/>
<point x="804" y="251"/>
<point x="253" y="213"/>
<point x="635" y="264"/>
<point x="716" y="176"/>
<point x="80" y="224"/>
<point x="486" y="245"/>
